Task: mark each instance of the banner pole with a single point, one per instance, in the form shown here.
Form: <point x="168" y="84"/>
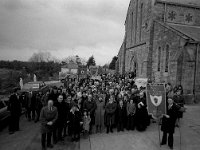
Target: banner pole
<point x="180" y="135"/>
<point x="158" y="125"/>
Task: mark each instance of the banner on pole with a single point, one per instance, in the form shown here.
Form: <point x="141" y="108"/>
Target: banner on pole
<point x="156" y="99"/>
<point x="93" y="70"/>
<point x="82" y="72"/>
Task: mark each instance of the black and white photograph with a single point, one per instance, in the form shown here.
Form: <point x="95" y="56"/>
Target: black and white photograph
<point x="99" y="74"/>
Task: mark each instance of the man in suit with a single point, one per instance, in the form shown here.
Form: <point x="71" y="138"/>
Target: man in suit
<point x="14" y="107"/>
<point x="168" y="123"/>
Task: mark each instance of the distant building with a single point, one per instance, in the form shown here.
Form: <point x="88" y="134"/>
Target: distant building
<point x="69" y="69"/>
<point x="161" y="42"/>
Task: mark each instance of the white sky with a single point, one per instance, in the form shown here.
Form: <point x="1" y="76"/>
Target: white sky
<point x="62" y="27"/>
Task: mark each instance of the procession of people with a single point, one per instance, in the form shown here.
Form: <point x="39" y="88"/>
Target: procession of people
<point x="87" y="106"/>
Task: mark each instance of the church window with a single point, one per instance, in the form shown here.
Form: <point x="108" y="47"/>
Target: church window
<point x="167" y="58"/>
<point x="141" y="20"/>
<point x="159" y="57"/>
<point x="136" y="15"/>
<point x="131" y="26"/>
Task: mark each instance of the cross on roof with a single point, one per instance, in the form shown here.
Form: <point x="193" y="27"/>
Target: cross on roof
<point x="188" y="18"/>
<point x="172" y="15"/>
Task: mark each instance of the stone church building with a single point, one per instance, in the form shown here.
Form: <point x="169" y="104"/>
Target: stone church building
<point x="161" y="42"/>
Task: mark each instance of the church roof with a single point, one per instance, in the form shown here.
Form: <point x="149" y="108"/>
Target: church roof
<point x="194" y="3"/>
<point x="191" y="31"/>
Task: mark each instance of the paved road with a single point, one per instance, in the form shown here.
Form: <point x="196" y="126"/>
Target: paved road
<point x="29" y="138"/>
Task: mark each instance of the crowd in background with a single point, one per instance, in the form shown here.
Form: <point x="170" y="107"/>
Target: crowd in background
<point x="88" y="106"/>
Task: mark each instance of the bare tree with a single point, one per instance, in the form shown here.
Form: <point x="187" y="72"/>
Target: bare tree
<point x="76" y="59"/>
<point x="41" y="57"/>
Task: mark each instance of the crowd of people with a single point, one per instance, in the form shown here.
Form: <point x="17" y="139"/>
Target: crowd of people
<point x="89" y="106"/>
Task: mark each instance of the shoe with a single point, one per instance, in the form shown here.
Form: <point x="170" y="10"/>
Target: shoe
<point x="11" y="132"/>
<point x="162" y="143"/>
<point x="111" y="130"/>
<point x="170" y="147"/>
<point x="107" y="131"/>
<point x="43" y="148"/>
<point x="50" y="146"/>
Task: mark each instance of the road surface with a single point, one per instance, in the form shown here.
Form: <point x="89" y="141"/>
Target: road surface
<point x="29" y="137"/>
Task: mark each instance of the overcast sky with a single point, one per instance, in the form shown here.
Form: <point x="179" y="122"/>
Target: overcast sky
<point x="62" y="27"/>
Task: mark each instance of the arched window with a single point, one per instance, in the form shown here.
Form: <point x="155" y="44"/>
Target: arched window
<point x="159" y="57"/>
<point x="167" y="58"/>
<point x="132" y="26"/>
<point x="141" y="20"/>
<point x="136" y="19"/>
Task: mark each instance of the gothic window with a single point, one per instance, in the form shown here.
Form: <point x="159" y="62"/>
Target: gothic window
<point x="141" y="19"/>
<point x="159" y="57"/>
<point x="131" y="26"/>
<point x="167" y="58"/>
<point x="136" y="18"/>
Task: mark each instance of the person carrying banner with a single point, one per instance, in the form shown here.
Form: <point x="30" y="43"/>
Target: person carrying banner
<point x="168" y="122"/>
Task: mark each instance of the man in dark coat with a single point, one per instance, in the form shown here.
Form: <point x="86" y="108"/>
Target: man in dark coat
<point x="69" y="105"/>
<point x="90" y="106"/>
<point x="62" y="117"/>
<point x="48" y="117"/>
<point x="83" y="98"/>
<point x="179" y="100"/>
<point x="168" y="123"/>
<point x="38" y="105"/>
<point x="33" y="104"/>
<point x="110" y="109"/>
<point x="54" y="94"/>
<point x="142" y="118"/>
<point x="14" y="107"/>
<point x="74" y="120"/>
<point x="121" y="115"/>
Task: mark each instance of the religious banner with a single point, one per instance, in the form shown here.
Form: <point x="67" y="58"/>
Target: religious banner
<point x="156" y="99"/>
<point x="82" y="72"/>
<point x="93" y="70"/>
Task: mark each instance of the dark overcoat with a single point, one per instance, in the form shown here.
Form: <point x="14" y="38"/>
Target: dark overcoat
<point x="14" y="105"/>
<point x="179" y="100"/>
<point x="47" y="115"/>
<point x="62" y="113"/>
<point x="121" y="114"/>
<point x="74" y="122"/>
<point x="142" y="118"/>
<point x="110" y="113"/>
<point x="168" y="124"/>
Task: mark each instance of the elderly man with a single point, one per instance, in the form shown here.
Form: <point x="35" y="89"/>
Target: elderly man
<point x="48" y="116"/>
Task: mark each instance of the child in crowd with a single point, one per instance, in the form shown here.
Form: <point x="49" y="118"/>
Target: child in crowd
<point x="86" y="121"/>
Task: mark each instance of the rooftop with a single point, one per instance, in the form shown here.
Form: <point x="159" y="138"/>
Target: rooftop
<point x="191" y="31"/>
<point x="194" y="3"/>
